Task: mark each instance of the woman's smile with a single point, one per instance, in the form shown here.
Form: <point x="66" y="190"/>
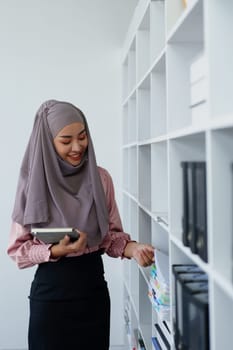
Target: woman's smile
<point x="77" y="157"/>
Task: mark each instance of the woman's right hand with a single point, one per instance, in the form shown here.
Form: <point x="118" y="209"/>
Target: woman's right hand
<point x="65" y="247"/>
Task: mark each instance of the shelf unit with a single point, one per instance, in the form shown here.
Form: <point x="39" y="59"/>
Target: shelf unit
<point x="159" y="132"/>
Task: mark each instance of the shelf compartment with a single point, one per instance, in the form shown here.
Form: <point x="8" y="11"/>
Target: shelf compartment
<point x="132" y="67"/>
<point x="177" y="256"/>
<point x="129" y="71"/>
<point x="181" y="53"/>
<point x="125" y="89"/>
<point x="145" y="176"/>
<point x="126" y="169"/>
<point x="125" y="124"/>
<point x="133" y="164"/>
<point x="187" y="148"/>
<point x="174" y="9"/>
<point x="219" y="25"/>
<point x="126" y="269"/>
<point x="145" y="312"/>
<point x="223" y="319"/>
<point x="143" y="106"/>
<point x="158" y="99"/>
<point x="134" y="285"/>
<point x="134" y="220"/>
<point x="126" y="211"/>
<point x="191" y="25"/>
<point x="159" y="179"/>
<point x="221" y="189"/>
<point x="134" y="329"/>
<point x="143" y="46"/>
<point x="132" y="118"/>
<point x="182" y="19"/>
<point x="194" y="258"/>
<point x="179" y="59"/>
<point x="160" y="238"/>
<point x="157" y="28"/>
<point x="144" y="227"/>
<point x="127" y="317"/>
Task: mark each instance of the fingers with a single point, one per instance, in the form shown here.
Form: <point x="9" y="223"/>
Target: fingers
<point x="80" y="245"/>
<point x="77" y="246"/>
<point x="144" y="255"/>
<point x="149" y="251"/>
<point x="65" y="240"/>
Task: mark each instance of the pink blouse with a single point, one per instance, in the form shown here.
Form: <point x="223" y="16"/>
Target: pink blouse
<point x="27" y="250"/>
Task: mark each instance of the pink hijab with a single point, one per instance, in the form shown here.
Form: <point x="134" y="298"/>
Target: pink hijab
<point x="53" y="193"/>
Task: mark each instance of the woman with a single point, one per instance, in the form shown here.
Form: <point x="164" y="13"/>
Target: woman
<point x="60" y="185"/>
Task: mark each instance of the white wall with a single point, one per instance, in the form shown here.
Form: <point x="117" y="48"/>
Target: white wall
<point x="68" y="50"/>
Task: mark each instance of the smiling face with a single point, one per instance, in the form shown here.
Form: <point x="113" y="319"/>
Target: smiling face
<point x="71" y="143"/>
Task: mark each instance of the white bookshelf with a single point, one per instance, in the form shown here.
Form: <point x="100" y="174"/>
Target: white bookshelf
<point x="160" y="130"/>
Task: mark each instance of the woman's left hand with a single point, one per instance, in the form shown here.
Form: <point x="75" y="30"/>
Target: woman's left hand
<point x="142" y="253"/>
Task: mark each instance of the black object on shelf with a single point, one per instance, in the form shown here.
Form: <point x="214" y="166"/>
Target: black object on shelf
<point x="189" y="281"/>
<point x="187" y="219"/>
<point x="194" y="219"/>
<point x="232" y="215"/>
<point x="188" y="273"/>
<point x="162" y="336"/>
<point x="200" y="210"/>
<point x="190" y="290"/>
<point x="197" y="322"/>
<point x="156" y="344"/>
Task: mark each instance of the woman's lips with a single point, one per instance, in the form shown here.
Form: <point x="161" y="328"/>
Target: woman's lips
<point x="75" y="157"/>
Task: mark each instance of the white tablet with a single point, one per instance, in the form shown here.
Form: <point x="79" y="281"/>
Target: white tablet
<point x="54" y="235"/>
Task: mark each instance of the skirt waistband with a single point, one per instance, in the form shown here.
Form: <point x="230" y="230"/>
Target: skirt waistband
<point x="68" y="278"/>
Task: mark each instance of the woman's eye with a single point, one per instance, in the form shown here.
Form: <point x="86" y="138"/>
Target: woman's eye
<point x="65" y="143"/>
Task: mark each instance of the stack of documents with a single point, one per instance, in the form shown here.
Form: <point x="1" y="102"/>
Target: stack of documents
<point x="198" y="87"/>
<point x="159" y="287"/>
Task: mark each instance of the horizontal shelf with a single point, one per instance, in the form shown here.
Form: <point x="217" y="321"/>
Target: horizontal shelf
<point x="194" y="257"/>
<point x="129" y="145"/>
<point x="182" y="24"/>
<point x="188" y="131"/>
<point x="125" y="192"/>
<point x="214" y="124"/>
<point x="152" y="215"/>
<point x="132" y="92"/>
<point x="223" y="121"/>
<point x="152" y="140"/>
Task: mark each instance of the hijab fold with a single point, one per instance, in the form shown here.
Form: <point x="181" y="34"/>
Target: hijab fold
<point x="52" y="192"/>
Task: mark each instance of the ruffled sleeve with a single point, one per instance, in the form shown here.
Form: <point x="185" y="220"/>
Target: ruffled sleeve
<point x="116" y="239"/>
<point x="25" y="250"/>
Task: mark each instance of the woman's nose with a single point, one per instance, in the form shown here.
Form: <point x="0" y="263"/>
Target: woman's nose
<point x="76" y="146"/>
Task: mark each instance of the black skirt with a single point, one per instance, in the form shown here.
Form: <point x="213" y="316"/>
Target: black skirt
<point x="70" y="305"/>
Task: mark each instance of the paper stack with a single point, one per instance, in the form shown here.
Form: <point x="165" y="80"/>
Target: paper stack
<point x="159" y="290"/>
<point x="198" y="88"/>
